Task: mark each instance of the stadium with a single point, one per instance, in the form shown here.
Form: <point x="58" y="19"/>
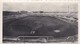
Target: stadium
<point x="40" y="25"/>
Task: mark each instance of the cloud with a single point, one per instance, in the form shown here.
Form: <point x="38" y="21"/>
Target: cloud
<point x="40" y="6"/>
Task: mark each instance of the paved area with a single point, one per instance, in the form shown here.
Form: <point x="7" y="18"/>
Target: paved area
<point x="45" y="43"/>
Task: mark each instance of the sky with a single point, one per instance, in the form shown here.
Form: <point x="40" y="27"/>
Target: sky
<point x="55" y="7"/>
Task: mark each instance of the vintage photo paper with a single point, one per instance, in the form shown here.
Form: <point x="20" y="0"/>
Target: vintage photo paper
<point x="32" y="22"/>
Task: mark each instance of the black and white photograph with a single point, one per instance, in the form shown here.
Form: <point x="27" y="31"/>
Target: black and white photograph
<point x="55" y="23"/>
